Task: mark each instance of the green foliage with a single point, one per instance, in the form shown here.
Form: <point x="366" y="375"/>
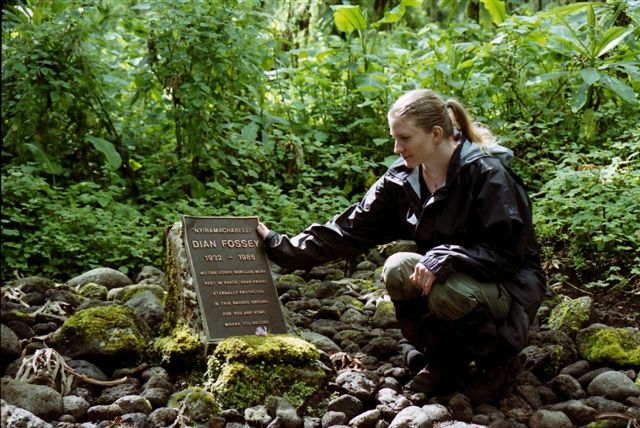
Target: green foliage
<point x="61" y="233"/>
<point x="588" y="214"/>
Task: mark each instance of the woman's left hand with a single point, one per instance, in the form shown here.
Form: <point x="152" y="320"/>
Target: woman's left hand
<point x="423" y="277"/>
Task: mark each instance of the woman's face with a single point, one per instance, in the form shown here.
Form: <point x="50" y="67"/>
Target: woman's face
<point x="414" y="144"/>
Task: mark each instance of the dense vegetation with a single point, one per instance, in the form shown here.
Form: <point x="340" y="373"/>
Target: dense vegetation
<point x="119" y="116"/>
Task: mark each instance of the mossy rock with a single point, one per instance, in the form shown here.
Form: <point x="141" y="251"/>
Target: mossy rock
<point x="600" y="344"/>
<point x="349" y="301"/>
<point x="124" y="294"/>
<point x="245" y="371"/>
<point x="93" y="291"/>
<point x="198" y="405"/>
<point x="181" y="349"/>
<point x="570" y="315"/>
<point x="105" y="334"/>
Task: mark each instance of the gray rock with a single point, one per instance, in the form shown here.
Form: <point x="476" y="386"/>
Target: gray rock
<point x="436" y="413"/>
<point x="155" y="371"/>
<point x="460" y="407"/>
<point x="158" y="381"/>
<point x="93" y="291"/>
<point x="613" y="385"/>
<point x="384" y="315"/>
<point x="13" y="416"/>
<point x="353" y="316"/>
<point x="111" y="394"/>
<point x="381" y="347"/>
<point x="138" y="420"/>
<point x="368" y="419"/>
<point x="21" y="329"/>
<point x="108" y="277"/>
<point x="347" y="404"/>
<point x="257" y="416"/>
<point x="42" y="401"/>
<point x="392" y="400"/>
<point x="320" y="341"/>
<point x="576" y="369"/>
<point x="103" y="412"/>
<point x="287" y="414"/>
<point x="34" y="284"/>
<point x="88" y="369"/>
<point x="312" y="422"/>
<point x="157" y="397"/>
<point x="133" y="404"/>
<point x="567" y="387"/>
<point x="330" y="419"/>
<point x="151" y="275"/>
<point x="531" y="395"/>
<point x="604" y="405"/>
<point x="549" y="419"/>
<point x="162" y="417"/>
<point x="411" y="417"/>
<point x="579" y="413"/>
<point x="357" y="383"/>
<point x="10" y="348"/>
<point x="149" y="308"/>
<point x="75" y="406"/>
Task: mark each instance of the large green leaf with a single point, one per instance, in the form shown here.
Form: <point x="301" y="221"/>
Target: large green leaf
<point x="545" y="77"/>
<point x="569" y="9"/>
<point x="619" y="88"/>
<point x="50" y="165"/>
<point x="395" y="14"/>
<point x="580" y="97"/>
<point x="348" y="18"/>
<point x="497" y="10"/>
<point x="108" y="149"/>
<point x="612" y="38"/>
<point x="590" y="75"/>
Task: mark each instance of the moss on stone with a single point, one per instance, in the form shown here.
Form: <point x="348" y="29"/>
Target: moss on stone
<point x="95" y="291"/>
<point x="385" y="308"/>
<point x="350" y="301"/>
<point x="131" y="291"/>
<point x="607" y="345"/>
<point x="570" y="315"/>
<point x="277" y="348"/>
<point x="246" y="370"/>
<point x="108" y="331"/>
<point x="290" y="277"/>
<point x="198" y="404"/>
<point x="242" y="385"/>
<point x="180" y="348"/>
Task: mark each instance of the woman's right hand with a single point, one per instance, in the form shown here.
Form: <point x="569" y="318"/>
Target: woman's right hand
<point x="262" y="230"/>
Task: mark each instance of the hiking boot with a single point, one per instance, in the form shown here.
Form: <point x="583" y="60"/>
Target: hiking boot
<point x="428" y="380"/>
<point x="437" y="378"/>
<point x="493" y="382"/>
<point x="413" y="358"/>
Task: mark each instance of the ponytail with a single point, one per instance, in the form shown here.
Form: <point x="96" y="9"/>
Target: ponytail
<point x="473" y="131"/>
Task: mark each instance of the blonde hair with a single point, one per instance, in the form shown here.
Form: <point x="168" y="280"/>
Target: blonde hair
<point x="425" y="109"/>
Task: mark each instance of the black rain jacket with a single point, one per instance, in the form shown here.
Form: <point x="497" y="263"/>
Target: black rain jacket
<point x="479" y="223"/>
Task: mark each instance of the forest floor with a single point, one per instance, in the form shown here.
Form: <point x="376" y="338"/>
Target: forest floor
<point x="614" y="306"/>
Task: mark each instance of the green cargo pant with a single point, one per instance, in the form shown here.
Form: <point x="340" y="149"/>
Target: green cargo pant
<point x="451" y="299"/>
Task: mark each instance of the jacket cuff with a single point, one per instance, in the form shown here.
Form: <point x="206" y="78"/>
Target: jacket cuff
<point x="442" y="270"/>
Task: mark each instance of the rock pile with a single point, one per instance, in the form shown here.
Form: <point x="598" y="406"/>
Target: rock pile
<point x="60" y="369"/>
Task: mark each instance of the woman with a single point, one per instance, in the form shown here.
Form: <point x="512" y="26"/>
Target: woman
<point x="475" y="284"/>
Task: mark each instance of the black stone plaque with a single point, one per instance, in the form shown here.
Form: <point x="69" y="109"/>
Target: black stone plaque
<point x="235" y="290"/>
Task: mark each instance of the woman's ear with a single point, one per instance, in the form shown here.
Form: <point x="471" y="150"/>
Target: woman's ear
<point x="438" y="132"/>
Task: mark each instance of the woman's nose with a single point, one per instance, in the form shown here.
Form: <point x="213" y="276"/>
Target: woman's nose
<point x="397" y="147"/>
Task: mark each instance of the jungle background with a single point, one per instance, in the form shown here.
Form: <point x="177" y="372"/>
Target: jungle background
<point x="118" y="116"/>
